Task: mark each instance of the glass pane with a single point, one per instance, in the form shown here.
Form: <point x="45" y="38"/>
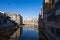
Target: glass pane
<point x="58" y="32"/>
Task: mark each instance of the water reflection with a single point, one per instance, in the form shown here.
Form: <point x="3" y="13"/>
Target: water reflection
<point x="31" y="27"/>
<point x="29" y="34"/>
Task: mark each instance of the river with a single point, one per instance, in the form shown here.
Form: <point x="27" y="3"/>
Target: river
<point x="29" y="34"/>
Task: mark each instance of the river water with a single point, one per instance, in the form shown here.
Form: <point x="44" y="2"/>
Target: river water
<point x="29" y="34"/>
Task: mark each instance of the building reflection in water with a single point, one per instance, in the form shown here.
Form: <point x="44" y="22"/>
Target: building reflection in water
<point x="30" y="32"/>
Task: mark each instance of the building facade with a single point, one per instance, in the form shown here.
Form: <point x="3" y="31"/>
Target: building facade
<point x="2" y="18"/>
<point x="30" y="21"/>
<point x="15" y="17"/>
<point x="8" y="28"/>
<point x="50" y="23"/>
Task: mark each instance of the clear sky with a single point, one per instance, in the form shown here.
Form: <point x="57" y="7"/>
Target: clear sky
<point x="27" y="8"/>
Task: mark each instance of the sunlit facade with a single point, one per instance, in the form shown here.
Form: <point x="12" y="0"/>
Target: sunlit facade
<point x="30" y="21"/>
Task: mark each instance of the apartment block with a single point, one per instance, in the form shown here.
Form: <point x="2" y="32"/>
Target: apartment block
<point x="50" y="23"/>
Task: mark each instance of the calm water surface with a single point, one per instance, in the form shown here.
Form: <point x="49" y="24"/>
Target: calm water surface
<point x="29" y="35"/>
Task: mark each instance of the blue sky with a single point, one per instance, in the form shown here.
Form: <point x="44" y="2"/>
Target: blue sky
<point x="27" y="8"/>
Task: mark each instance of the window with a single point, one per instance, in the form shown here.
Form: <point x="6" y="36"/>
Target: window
<point x="0" y="22"/>
<point x="58" y="32"/>
<point x="58" y="19"/>
<point x="32" y="21"/>
<point x="43" y="28"/>
<point x="48" y="27"/>
<point x="57" y="6"/>
<point x="56" y="1"/>
<point x="5" y="21"/>
<point x="1" y="16"/>
<point x="52" y="30"/>
<point x="51" y="18"/>
<point x="53" y="2"/>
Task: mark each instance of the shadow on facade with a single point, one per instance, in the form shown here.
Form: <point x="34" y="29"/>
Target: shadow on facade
<point x="11" y="31"/>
